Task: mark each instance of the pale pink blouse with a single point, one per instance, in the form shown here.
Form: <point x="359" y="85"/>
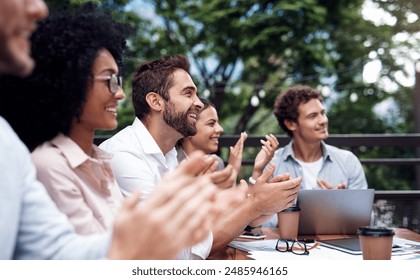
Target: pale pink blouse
<point x="83" y="187"/>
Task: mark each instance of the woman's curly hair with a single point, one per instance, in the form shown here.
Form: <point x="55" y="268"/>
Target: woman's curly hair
<point x="64" y="48"/>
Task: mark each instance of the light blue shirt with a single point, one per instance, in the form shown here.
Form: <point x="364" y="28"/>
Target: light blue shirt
<point x="338" y="167"/>
<point x="31" y="226"/>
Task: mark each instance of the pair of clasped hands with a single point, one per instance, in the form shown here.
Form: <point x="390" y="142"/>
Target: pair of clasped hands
<point x="265" y="196"/>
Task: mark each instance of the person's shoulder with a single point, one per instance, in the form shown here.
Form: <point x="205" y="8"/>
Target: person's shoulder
<point x="8" y="136"/>
<point x="221" y="163"/>
<point x="45" y="148"/>
<point x="121" y="139"/>
<point x="4" y="124"/>
<point x="47" y="156"/>
<point x="336" y="149"/>
<point x="280" y="152"/>
<point x="15" y="156"/>
<point x="338" y="152"/>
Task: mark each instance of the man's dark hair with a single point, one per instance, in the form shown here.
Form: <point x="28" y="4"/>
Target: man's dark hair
<point x="287" y="104"/>
<point x="155" y="76"/>
<point x="64" y="48"/>
<point x="207" y="103"/>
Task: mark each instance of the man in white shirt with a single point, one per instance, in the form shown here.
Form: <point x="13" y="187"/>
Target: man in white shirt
<point x="166" y="105"/>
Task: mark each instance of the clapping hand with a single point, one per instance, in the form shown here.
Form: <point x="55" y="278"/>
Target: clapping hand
<point x="235" y="156"/>
<point x="272" y="196"/>
<point x="265" y="155"/>
<point x="323" y="184"/>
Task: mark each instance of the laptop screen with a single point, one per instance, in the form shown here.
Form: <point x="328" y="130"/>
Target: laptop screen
<point x="334" y="211"/>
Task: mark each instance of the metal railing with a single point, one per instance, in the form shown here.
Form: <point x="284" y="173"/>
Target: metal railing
<point x="353" y="142"/>
<point x="402" y="205"/>
<point x="391" y="208"/>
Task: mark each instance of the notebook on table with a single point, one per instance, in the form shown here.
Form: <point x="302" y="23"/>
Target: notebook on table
<point x="334" y="211"/>
<point x="352" y="245"/>
<point x="348" y="245"/>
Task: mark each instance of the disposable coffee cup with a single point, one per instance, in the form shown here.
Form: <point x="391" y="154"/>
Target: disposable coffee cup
<point x="288" y="222"/>
<point x="376" y="242"/>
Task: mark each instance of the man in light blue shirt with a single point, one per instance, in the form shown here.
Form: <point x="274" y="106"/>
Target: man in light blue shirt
<point x="336" y="168"/>
<point x="301" y="114"/>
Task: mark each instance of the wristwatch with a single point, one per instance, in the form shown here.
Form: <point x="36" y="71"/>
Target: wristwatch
<point x="252" y="180"/>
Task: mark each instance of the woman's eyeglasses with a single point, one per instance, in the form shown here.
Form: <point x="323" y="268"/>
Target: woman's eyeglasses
<point x="114" y="81"/>
<point x="296" y="246"/>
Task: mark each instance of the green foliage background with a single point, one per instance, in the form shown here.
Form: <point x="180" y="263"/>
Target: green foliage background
<point x="251" y="50"/>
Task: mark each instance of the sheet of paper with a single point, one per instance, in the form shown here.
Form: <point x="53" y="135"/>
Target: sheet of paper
<point x="260" y="245"/>
<point x="410" y="250"/>
<point x="265" y="250"/>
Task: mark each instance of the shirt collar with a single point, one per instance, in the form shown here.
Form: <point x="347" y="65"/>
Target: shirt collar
<point x="147" y="141"/>
<point x="288" y="151"/>
<point x="74" y="154"/>
<point x="325" y="152"/>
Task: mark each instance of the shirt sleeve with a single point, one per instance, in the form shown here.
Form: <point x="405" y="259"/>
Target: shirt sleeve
<point x="201" y="251"/>
<point x="357" y="178"/>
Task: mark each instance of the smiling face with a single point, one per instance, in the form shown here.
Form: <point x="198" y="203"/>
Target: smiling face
<point x="312" y="123"/>
<point x="17" y="22"/>
<point x="208" y="131"/>
<point x="183" y="107"/>
<point x="100" y="108"/>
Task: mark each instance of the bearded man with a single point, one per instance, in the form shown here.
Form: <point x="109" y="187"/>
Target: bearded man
<point x="166" y="105"/>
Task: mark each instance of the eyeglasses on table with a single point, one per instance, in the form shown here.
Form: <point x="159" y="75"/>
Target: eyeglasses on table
<point x="296" y="246"/>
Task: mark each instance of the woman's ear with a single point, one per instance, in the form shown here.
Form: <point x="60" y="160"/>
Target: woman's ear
<point x="155" y="101"/>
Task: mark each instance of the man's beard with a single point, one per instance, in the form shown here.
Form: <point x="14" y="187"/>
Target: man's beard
<point x="180" y="121"/>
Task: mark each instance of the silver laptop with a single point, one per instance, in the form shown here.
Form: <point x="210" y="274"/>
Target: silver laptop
<point x="334" y="211"/>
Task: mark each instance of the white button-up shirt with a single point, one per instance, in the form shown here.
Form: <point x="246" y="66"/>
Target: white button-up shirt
<point x="139" y="164"/>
